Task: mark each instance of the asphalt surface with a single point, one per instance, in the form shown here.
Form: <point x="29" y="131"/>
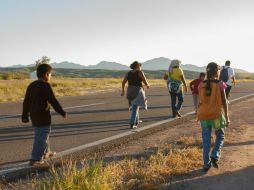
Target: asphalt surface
<point x="90" y="118"/>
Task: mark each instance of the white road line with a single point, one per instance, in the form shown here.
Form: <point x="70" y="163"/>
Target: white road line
<point x="81" y="106"/>
<point x="25" y="165"/>
<point x="67" y="108"/>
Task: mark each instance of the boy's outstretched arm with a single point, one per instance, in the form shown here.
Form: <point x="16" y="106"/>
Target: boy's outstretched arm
<point x="55" y="104"/>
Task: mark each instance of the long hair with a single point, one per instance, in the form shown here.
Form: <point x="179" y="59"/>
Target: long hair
<point x="211" y="71"/>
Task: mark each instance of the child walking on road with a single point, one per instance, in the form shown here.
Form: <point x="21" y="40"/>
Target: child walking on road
<point x="39" y="96"/>
<point x="212" y="113"/>
<point x="194" y="89"/>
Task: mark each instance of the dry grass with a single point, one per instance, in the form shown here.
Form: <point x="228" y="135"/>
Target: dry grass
<point x="14" y="90"/>
<point x="128" y="174"/>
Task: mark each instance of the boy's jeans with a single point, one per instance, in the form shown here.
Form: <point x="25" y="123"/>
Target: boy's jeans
<point x="206" y="137"/>
<point x="41" y="142"/>
<point x="173" y="101"/>
<point x="134" y="114"/>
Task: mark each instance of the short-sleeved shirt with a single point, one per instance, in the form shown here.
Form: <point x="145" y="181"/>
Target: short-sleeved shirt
<point x="194" y="86"/>
<point x="175" y="74"/>
<point x="231" y="73"/>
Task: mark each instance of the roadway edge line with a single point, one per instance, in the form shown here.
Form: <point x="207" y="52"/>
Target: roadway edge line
<point x="8" y="171"/>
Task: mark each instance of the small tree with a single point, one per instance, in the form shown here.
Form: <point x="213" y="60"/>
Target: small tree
<point x="43" y="60"/>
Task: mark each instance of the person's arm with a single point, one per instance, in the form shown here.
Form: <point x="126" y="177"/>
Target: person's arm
<point x="184" y="83"/>
<point x="233" y="76"/>
<point x="25" y="112"/>
<point x="144" y="79"/>
<point x="54" y="102"/>
<point x="191" y="85"/>
<point x="225" y="106"/>
<point x="165" y="77"/>
<point x="233" y="80"/>
<point x="123" y="84"/>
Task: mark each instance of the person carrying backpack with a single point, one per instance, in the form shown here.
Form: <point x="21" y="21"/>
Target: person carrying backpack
<point x="175" y="81"/>
<point x="212" y="113"/>
<point x="227" y="75"/>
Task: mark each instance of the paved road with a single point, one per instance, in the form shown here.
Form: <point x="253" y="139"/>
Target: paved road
<point x="90" y="118"/>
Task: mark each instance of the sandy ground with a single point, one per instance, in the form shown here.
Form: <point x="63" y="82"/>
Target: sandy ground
<point x="236" y="171"/>
<point x="236" y="167"/>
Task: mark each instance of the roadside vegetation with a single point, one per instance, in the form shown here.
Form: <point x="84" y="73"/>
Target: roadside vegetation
<point x="14" y="90"/>
<point x="78" y="82"/>
<point x="149" y="172"/>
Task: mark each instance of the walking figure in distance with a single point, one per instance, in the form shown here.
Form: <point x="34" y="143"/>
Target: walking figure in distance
<point x="39" y="96"/>
<point x="194" y="89"/>
<point x="212" y="113"/>
<point x="227" y="75"/>
<point x="175" y="81"/>
<point x="135" y="92"/>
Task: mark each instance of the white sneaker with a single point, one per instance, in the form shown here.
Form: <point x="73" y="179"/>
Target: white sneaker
<point x="134" y="126"/>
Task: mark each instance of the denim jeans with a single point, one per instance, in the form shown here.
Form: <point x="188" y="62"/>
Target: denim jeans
<point x="206" y="138"/>
<point x="41" y="142"/>
<point x="179" y="96"/>
<point x="134" y="114"/>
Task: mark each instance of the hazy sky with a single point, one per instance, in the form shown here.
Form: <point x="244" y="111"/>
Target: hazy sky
<point x="89" y="31"/>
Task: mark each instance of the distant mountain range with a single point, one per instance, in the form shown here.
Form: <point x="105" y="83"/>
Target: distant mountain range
<point x="160" y="63"/>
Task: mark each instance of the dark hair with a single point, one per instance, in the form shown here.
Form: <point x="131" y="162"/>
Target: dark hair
<point x="227" y="63"/>
<point x="211" y="69"/>
<point x="42" y="69"/>
<point x="135" y="64"/>
<point x="202" y="75"/>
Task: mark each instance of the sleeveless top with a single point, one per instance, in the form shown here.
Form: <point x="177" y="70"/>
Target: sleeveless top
<point x="134" y="78"/>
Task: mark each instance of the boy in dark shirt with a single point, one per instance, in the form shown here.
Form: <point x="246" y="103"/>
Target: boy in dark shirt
<point x="39" y="96"/>
<point x="194" y="89"/>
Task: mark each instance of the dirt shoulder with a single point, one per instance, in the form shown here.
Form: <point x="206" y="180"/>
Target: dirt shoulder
<point x="237" y="162"/>
<point x="236" y="169"/>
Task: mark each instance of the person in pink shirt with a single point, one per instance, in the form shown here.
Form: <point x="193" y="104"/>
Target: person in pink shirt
<point x="194" y="89"/>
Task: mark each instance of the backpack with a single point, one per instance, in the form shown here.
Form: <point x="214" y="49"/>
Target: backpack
<point x="224" y="74"/>
<point x="174" y="86"/>
<point x="209" y="107"/>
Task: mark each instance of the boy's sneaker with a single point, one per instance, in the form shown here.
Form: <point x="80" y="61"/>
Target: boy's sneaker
<point x="138" y="122"/>
<point x="133" y="126"/>
<point x="36" y="162"/>
<point x="178" y="114"/>
<point x="49" y="154"/>
<point x="214" y="162"/>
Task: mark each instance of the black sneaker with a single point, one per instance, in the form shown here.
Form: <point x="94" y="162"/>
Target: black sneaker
<point x="214" y="162"/>
<point x="206" y="168"/>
